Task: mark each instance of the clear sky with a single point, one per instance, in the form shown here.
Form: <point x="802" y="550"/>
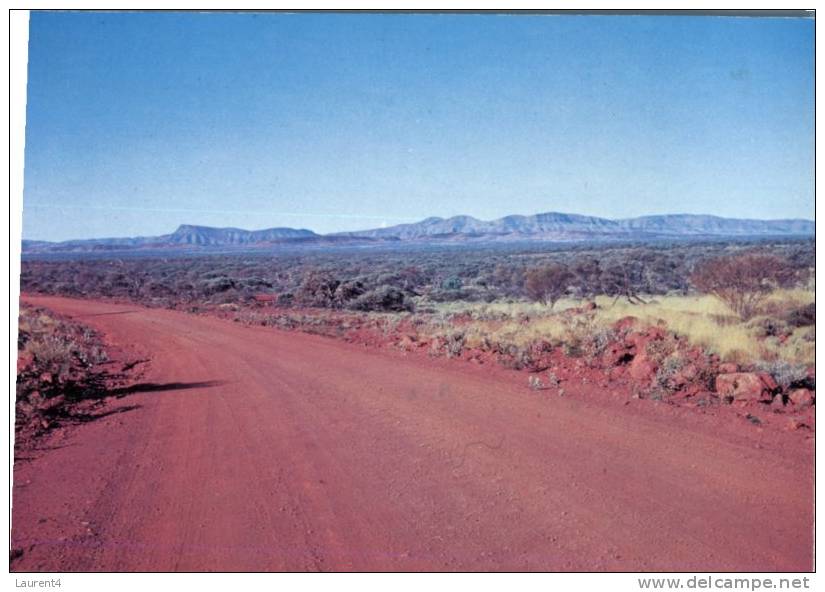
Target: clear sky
<point x="138" y="122"/>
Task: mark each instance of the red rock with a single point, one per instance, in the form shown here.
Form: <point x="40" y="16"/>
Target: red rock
<point x="617" y="372"/>
<point x="642" y="369"/>
<point x="625" y="323"/>
<point x="616" y="355"/>
<point x="768" y="381"/>
<point x="541" y="346"/>
<point x="801" y="397"/>
<point x="686" y="375"/>
<point x="797" y="424"/>
<point x="406" y="342"/>
<point x="656" y="333"/>
<point x="728" y="368"/>
<point x="745" y="386"/>
<point x="24" y="359"/>
<point x="637" y="340"/>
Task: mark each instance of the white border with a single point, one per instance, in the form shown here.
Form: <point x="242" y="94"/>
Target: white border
<point x="18" y="42"/>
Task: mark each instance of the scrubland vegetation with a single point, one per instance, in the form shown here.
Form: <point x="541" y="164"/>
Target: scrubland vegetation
<point x="748" y="305"/>
<point x="393" y="280"/>
<point x="61" y="372"/>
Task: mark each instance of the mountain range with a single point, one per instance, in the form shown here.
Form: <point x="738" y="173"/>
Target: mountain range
<point x="551" y="226"/>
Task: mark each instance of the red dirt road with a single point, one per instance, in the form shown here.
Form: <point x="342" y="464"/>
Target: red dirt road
<point x="261" y="450"/>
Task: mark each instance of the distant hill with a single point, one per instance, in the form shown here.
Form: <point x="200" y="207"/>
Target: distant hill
<point x="551" y="226"/>
<point x="187" y="234"/>
<point x="558" y="226"/>
<point x="686" y="224"/>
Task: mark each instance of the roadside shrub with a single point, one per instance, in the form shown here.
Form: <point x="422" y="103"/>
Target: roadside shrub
<point x="785" y="374"/>
<point x="515" y="357"/>
<point x="58" y="370"/>
<point x="599" y="341"/>
<point x="658" y="350"/>
<point x="455" y="344"/>
<point x="668" y="370"/>
<point x="577" y="336"/>
<point x="53" y="353"/>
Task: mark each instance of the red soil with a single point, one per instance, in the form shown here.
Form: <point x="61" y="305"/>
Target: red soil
<point x="248" y="448"/>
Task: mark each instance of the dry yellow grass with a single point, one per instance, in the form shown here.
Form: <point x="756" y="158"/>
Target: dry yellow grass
<point x="704" y="320"/>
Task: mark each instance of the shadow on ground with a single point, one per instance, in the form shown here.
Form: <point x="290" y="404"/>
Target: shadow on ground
<point x="153" y="387"/>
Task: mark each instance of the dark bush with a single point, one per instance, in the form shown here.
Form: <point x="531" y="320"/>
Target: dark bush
<point x="349" y="291"/>
<point x="384" y="299"/>
<point x="217" y="285"/>
<point x="452" y="283"/>
<point x="803" y="317"/>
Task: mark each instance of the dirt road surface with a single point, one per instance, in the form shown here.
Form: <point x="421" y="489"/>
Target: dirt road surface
<point x="251" y="449"/>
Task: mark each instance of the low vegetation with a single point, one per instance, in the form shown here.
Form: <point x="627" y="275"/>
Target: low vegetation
<point x="60" y="367"/>
<point x="670" y="317"/>
<point x="394" y="280"/>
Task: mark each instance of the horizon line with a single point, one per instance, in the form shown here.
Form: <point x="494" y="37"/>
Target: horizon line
<point x="402" y="220"/>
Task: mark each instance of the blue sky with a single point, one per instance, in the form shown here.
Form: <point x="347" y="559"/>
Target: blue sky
<point x="138" y="122"/>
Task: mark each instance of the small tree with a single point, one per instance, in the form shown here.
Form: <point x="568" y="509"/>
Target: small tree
<point x="742" y="281"/>
<point x="586" y="274"/>
<point x="623" y="279"/>
<point x="548" y="283"/>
